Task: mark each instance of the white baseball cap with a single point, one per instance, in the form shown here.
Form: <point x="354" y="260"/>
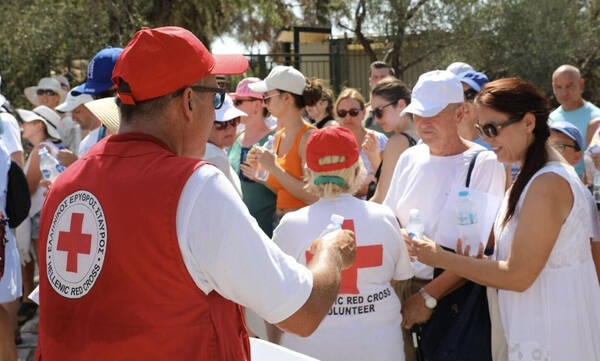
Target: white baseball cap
<point x="74" y="99"/>
<point x="281" y="77"/>
<point x="459" y="67"/>
<point x="48" y="116"/>
<point x="433" y="92"/>
<point x="228" y="111"/>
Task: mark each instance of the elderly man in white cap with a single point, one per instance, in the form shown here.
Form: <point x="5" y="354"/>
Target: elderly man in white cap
<point x="425" y="178"/>
<point x="221" y="136"/>
<point x="72" y="129"/>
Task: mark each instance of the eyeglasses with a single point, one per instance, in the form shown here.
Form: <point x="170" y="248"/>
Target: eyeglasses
<point x="561" y="147"/>
<point x="266" y="99"/>
<point x="491" y="130"/>
<point x="470" y="95"/>
<point x="223" y="125"/>
<point x="343" y="112"/>
<point x="46" y="92"/>
<point x="378" y="112"/>
<point x="219" y="94"/>
<point x="239" y="102"/>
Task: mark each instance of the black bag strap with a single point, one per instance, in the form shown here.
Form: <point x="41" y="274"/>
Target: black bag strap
<point x="471" y="167"/>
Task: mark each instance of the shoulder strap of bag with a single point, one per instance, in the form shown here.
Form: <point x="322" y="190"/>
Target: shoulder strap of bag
<point x="471" y="167"/>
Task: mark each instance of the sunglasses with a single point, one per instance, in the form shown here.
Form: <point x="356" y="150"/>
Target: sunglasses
<point x="219" y="94"/>
<point x="343" y="112"/>
<point x="561" y="147"/>
<point x="267" y="99"/>
<point x="491" y="130"/>
<point x="378" y="112"/>
<point x="470" y="95"/>
<point x="239" y="102"/>
<point x="46" y="92"/>
<point x="223" y="125"/>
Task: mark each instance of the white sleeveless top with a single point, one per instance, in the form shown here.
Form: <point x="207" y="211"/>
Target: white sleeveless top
<point x="558" y="317"/>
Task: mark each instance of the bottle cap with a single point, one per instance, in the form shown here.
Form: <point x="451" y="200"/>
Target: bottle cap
<point x="337" y="219"/>
<point x="463" y="193"/>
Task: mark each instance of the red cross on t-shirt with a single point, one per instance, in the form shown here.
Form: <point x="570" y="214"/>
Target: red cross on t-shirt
<point x="366" y="256"/>
<point x="74" y="242"/>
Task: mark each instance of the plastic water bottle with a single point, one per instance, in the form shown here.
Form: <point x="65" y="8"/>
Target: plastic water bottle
<point x="467" y="221"/>
<point x="260" y="173"/>
<point x="49" y="166"/>
<point x="415" y="227"/>
<point x="335" y="223"/>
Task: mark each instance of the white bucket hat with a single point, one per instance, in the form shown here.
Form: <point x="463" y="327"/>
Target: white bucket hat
<point x="107" y="110"/>
<point x="45" y="83"/>
<point x="228" y="111"/>
<point x="48" y="116"/>
<point x="434" y="91"/>
<point x="73" y="101"/>
<point x="281" y="77"/>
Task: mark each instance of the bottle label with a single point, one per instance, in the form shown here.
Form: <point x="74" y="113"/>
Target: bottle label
<point x="466" y="218"/>
<point x="46" y="173"/>
<point x="60" y="168"/>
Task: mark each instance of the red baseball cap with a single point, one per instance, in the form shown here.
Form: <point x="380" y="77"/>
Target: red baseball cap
<point x="331" y="141"/>
<point x="160" y="61"/>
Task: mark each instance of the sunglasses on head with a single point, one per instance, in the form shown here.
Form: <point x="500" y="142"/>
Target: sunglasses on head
<point x="46" y="92"/>
<point x="378" y="112"/>
<point x="239" y="102"/>
<point x="219" y="94"/>
<point x="223" y="125"/>
<point x="343" y="112"/>
<point x="470" y="95"/>
<point x="491" y="130"/>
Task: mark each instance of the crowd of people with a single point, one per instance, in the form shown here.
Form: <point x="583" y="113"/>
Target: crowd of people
<point x="187" y="218"/>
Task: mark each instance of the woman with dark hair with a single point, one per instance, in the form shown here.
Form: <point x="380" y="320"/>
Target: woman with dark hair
<point x="285" y="93"/>
<point x="388" y="98"/>
<point x="548" y="292"/>
<point x="321" y="113"/>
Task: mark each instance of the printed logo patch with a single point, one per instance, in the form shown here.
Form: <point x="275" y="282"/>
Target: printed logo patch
<point x="76" y="245"/>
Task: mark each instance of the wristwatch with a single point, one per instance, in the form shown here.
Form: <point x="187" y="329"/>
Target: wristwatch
<point x="430" y="301"/>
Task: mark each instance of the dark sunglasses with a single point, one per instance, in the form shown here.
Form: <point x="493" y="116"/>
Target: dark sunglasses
<point x="470" y="95"/>
<point x="219" y="94"/>
<point x="491" y="130"/>
<point x="223" y="125"/>
<point x="343" y="112"/>
<point x="46" y="92"/>
<point x="378" y="112"/>
<point x="239" y="102"/>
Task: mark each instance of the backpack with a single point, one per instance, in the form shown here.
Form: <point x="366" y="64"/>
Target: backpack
<point x="18" y="199"/>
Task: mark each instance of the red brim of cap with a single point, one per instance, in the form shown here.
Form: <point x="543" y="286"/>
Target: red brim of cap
<point x="226" y="64"/>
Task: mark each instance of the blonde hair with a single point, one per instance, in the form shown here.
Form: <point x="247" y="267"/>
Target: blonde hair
<point x="350" y="93"/>
<point x="352" y="180"/>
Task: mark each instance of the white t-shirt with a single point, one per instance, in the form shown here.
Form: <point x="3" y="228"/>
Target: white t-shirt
<point x="382" y="139"/>
<point x="364" y="322"/>
<point x="219" y="158"/>
<point x="225" y="250"/>
<point x="90" y="139"/>
<point x="425" y="182"/>
<point x="11" y="134"/>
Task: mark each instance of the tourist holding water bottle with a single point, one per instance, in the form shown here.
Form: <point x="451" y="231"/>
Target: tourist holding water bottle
<point x="40" y="127"/>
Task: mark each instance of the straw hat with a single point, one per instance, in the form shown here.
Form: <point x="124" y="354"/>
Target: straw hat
<point x="107" y="111"/>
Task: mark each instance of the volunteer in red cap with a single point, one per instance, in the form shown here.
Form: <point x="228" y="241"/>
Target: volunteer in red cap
<point x="149" y="253"/>
<point x="364" y="322"/>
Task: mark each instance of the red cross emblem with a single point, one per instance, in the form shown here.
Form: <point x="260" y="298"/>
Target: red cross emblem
<point x="74" y="242"/>
<point x="366" y="256"/>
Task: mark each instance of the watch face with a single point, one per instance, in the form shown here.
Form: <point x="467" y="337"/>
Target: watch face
<point x="431" y="302"/>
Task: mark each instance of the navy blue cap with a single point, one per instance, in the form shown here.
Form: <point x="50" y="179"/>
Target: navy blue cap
<point x="474" y="79"/>
<point x="99" y="72"/>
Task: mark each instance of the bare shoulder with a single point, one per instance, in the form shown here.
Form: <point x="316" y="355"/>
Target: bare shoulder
<point x="551" y="192"/>
<point x="397" y="141"/>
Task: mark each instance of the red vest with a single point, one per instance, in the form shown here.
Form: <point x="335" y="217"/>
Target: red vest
<point x="113" y="284"/>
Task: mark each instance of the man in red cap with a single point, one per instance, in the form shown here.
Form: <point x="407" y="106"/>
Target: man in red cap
<point x="149" y="254"/>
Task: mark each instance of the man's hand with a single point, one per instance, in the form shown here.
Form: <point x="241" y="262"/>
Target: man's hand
<point x="65" y="157"/>
<point x="341" y="241"/>
<point x="414" y="311"/>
